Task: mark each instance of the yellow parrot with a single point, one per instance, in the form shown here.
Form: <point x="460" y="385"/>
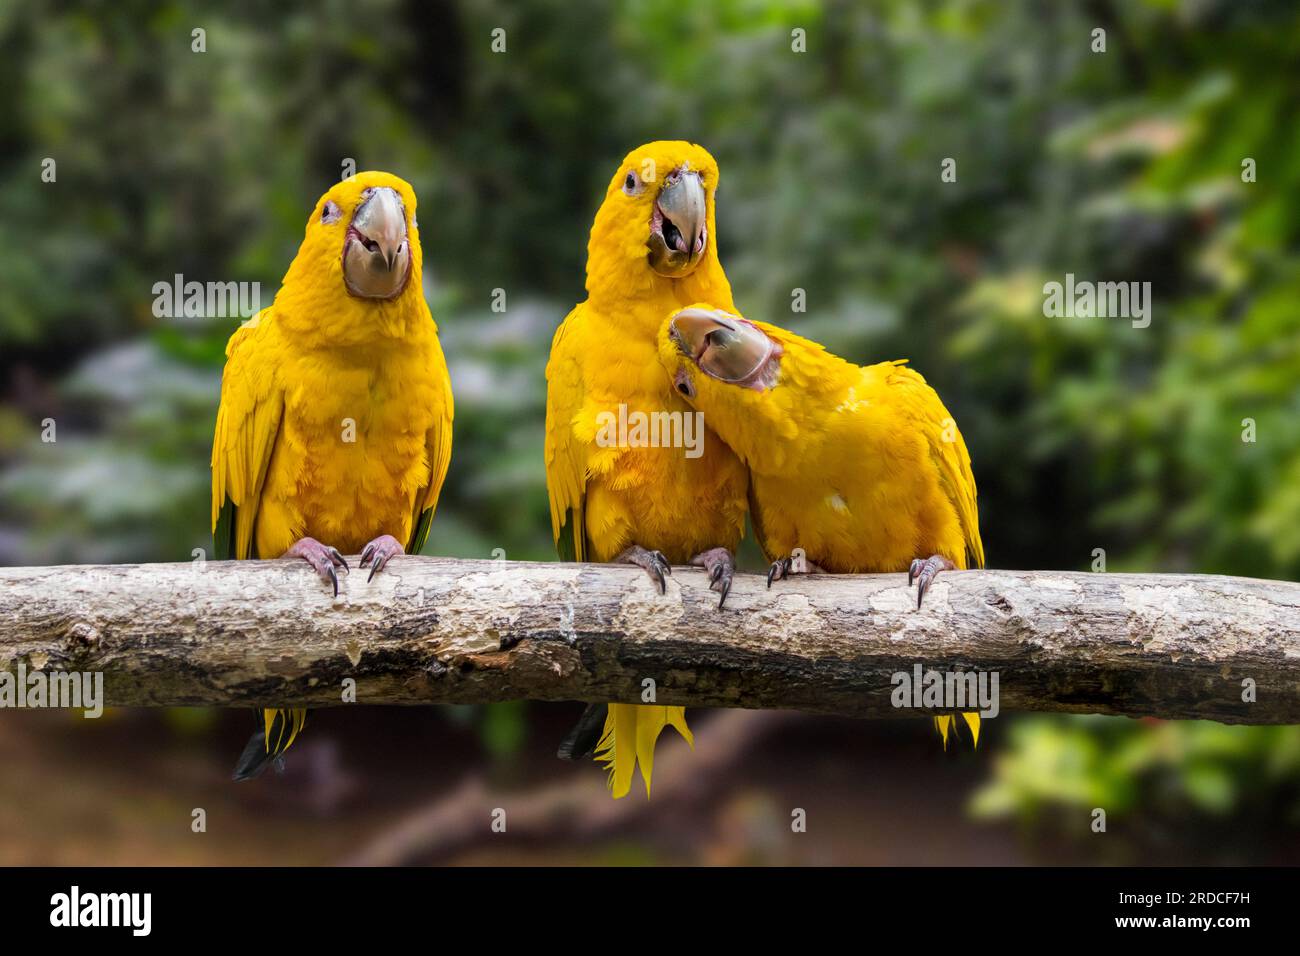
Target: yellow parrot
<point x="652" y="249"/>
<point x="861" y="469"/>
<point x="334" y="430"/>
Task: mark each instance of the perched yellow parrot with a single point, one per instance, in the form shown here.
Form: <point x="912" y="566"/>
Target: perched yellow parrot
<point x="861" y="469"/>
<point x="334" y="430"/>
<point x="651" y="250"/>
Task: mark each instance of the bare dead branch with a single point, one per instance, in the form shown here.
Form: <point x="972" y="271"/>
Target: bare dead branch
<point x="430" y="630"/>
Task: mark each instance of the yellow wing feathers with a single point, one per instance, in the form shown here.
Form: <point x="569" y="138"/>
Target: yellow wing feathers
<point x="566" y="456"/>
<point x="948" y="454"/>
<point x="437" y="455"/>
<point x="248" y="426"/>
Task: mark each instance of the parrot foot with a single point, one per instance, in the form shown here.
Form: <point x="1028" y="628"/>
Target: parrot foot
<point x="786" y="567"/>
<point x="321" y="557"/>
<point x="652" y="562"/>
<point x="924" y="571"/>
<point x="721" y="566"/>
<point x="377" y="553"/>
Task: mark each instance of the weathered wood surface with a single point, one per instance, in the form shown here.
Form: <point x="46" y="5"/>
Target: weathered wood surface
<point x="430" y="630"/>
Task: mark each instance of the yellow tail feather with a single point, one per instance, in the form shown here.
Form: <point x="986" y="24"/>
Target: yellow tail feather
<point x="629" y="738"/>
<point x="972" y="718"/>
<point x="280" y="720"/>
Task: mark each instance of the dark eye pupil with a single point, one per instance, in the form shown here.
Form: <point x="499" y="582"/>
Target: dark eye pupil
<point x="630" y="183"/>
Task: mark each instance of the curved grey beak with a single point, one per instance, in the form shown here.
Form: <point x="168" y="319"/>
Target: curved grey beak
<point x="722" y="346"/>
<point x="679" y="228"/>
<point x="382" y="219"/>
<point x="377" y="251"/>
<point x="682" y="203"/>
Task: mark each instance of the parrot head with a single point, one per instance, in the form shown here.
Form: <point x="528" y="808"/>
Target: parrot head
<point x="753" y="382"/>
<point x="706" y="349"/>
<point x="364" y="236"/>
<point x="657" y="215"/>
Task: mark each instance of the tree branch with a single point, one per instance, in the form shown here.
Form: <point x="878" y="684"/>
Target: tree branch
<point x="430" y="630"/>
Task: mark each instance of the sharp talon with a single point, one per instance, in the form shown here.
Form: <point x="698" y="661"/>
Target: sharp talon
<point x="652" y="563"/>
<point x="720" y="564"/>
<point x="925" y="572"/>
<point x="377" y="552"/>
<point x="322" y="558"/>
<point x="923" y="585"/>
<point x="912" y="571"/>
<point x="779" y="571"/>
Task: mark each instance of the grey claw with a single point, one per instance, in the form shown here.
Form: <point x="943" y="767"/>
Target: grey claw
<point x="719" y="563"/>
<point x="334" y="578"/>
<point x="779" y="570"/>
<point x="923" y="585"/>
<point x="652" y="563"/>
<point x="662" y="569"/>
<point x="925" y="572"/>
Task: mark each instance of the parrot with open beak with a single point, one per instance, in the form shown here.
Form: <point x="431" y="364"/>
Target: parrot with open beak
<point x="652" y="249"/>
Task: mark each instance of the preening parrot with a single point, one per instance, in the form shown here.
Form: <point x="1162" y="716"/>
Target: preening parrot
<point x="334" y="430"/>
<point x="651" y="250"/>
<point x="860" y="468"/>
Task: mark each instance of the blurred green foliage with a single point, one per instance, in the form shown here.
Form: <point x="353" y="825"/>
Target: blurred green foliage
<point x="1085" y="433"/>
<point x="1240" y="786"/>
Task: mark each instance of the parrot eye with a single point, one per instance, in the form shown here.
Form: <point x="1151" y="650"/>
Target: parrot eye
<point x="632" y="184"/>
<point x="331" y="213"/>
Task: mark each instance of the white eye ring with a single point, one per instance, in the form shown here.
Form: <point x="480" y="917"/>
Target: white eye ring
<point x="632" y="184"/>
<point x="331" y="212"/>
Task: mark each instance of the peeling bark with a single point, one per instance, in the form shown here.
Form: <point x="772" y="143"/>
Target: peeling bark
<point x="431" y="630"/>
